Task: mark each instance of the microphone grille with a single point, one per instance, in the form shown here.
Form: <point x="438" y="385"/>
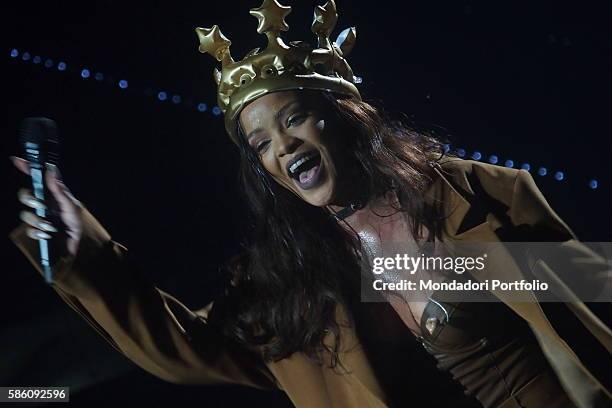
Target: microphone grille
<point x="42" y="132"/>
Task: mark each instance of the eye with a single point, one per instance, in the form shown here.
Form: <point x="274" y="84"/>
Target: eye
<point x="296" y="119"/>
<point x="260" y="146"/>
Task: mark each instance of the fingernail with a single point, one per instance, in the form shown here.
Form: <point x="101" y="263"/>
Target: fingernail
<point x="47" y="227"/>
<point x="42" y="235"/>
<point x="53" y="168"/>
<point x="36" y="204"/>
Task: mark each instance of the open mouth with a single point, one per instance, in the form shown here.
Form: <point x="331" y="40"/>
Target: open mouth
<point x="306" y="169"/>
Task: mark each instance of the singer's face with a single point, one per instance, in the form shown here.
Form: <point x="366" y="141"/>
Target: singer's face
<point x="292" y="139"/>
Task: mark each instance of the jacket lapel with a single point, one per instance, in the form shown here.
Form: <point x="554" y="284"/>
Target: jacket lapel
<point x="500" y="263"/>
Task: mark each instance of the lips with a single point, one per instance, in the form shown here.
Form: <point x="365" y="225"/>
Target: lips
<point x="306" y="169"/>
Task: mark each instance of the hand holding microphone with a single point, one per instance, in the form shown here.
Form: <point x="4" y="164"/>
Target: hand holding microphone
<point x="53" y="214"/>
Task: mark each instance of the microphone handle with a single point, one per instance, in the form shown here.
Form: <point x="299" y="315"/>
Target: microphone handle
<point x="37" y="169"/>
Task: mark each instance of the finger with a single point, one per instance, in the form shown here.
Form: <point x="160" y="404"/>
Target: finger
<point x="36" y="222"/>
<point x="21" y="164"/>
<point x="25" y="197"/>
<point x="37" y="234"/>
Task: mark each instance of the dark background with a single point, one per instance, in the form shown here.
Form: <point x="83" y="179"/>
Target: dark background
<point x="527" y="81"/>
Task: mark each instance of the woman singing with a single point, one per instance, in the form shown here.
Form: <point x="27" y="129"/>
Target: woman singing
<point x="332" y="183"/>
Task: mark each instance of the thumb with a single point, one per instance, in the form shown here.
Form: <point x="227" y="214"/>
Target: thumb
<point x="60" y="192"/>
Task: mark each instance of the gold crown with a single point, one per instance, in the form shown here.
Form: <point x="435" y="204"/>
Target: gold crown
<point x="280" y="66"/>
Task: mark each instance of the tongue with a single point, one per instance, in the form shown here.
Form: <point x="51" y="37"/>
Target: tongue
<point x="306" y="176"/>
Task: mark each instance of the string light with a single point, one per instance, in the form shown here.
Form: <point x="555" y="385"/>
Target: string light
<point x="216" y="111"/>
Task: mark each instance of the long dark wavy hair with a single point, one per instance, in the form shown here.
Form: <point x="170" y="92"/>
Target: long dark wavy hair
<point x="300" y="262"/>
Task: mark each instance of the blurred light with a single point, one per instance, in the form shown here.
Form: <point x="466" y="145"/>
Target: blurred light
<point x="162" y="96"/>
<point x="25" y="56"/>
<point x="85" y="73"/>
<point x="123" y="84"/>
<point x="49" y="63"/>
<point x="202" y="107"/>
<point x="36" y="59"/>
<point x="593" y="184"/>
<point x="476" y="156"/>
<point x="14" y="53"/>
<point x="542" y="171"/>
<point x="461" y="152"/>
<point x="446" y="148"/>
<point x="99" y="76"/>
<point x="509" y="163"/>
<point x="61" y="66"/>
<point x="216" y="111"/>
<point x="526" y="166"/>
<point x="493" y="159"/>
<point x="559" y="175"/>
<point x="176" y="99"/>
<point x="357" y="79"/>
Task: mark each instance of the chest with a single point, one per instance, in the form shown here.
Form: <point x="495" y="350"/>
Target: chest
<point x="394" y="255"/>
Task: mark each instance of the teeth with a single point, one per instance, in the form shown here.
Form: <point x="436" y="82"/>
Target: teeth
<point x="298" y="163"/>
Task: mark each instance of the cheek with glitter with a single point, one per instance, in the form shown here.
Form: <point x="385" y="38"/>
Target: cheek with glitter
<point x="320" y="125"/>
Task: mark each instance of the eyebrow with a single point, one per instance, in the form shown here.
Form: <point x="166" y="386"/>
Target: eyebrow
<point x="277" y="116"/>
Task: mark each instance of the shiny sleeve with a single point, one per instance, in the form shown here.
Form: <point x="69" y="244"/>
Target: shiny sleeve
<point x="578" y="273"/>
<point x="141" y="321"/>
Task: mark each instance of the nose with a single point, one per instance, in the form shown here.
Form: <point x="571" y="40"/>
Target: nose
<point x="286" y="144"/>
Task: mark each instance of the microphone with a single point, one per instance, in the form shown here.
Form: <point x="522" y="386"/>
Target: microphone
<point x="39" y="141"/>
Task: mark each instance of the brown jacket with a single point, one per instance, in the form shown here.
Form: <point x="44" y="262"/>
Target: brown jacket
<point x="164" y="337"/>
